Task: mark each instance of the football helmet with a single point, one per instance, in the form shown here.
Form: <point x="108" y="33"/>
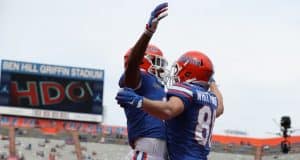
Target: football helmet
<point x="193" y="67"/>
<point x="153" y="62"/>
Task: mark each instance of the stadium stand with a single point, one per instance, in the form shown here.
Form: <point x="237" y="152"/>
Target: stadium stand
<point x="111" y="144"/>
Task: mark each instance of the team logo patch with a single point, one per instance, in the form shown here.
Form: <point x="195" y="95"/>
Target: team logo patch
<point x="191" y="60"/>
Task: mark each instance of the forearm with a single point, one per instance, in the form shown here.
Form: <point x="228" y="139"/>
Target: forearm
<point x="158" y="109"/>
<point x="132" y="72"/>
<point x="164" y="110"/>
<point x="138" y="51"/>
<point x="216" y="91"/>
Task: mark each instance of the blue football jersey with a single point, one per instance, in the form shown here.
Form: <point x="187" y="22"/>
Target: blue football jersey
<point x="139" y="123"/>
<point x="189" y="134"/>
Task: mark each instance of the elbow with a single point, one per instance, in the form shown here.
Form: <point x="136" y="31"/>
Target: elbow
<point x="166" y="114"/>
<point x="220" y="111"/>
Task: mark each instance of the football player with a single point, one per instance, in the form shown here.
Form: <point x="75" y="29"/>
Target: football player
<point x="144" y="73"/>
<point x="194" y="102"/>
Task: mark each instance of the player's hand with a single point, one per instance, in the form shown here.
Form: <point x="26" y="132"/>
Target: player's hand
<point x="157" y="14"/>
<point x="127" y="97"/>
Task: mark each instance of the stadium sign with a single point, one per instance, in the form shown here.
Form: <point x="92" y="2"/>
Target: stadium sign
<point x="51" y="91"/>
<point x="235" y="132"/>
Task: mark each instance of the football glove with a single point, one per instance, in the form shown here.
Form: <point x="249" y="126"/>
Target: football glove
<point x="127" y="97"/>
<point x="157" y="14"/>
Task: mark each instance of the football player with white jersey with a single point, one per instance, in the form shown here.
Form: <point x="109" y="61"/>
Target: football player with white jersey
<point x="144" y="72"/>
<point x="194" y="102"/>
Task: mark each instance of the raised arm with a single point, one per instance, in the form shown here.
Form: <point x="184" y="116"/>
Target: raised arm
<point x="214" y="88"/>
<point x="132" y="71"/>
